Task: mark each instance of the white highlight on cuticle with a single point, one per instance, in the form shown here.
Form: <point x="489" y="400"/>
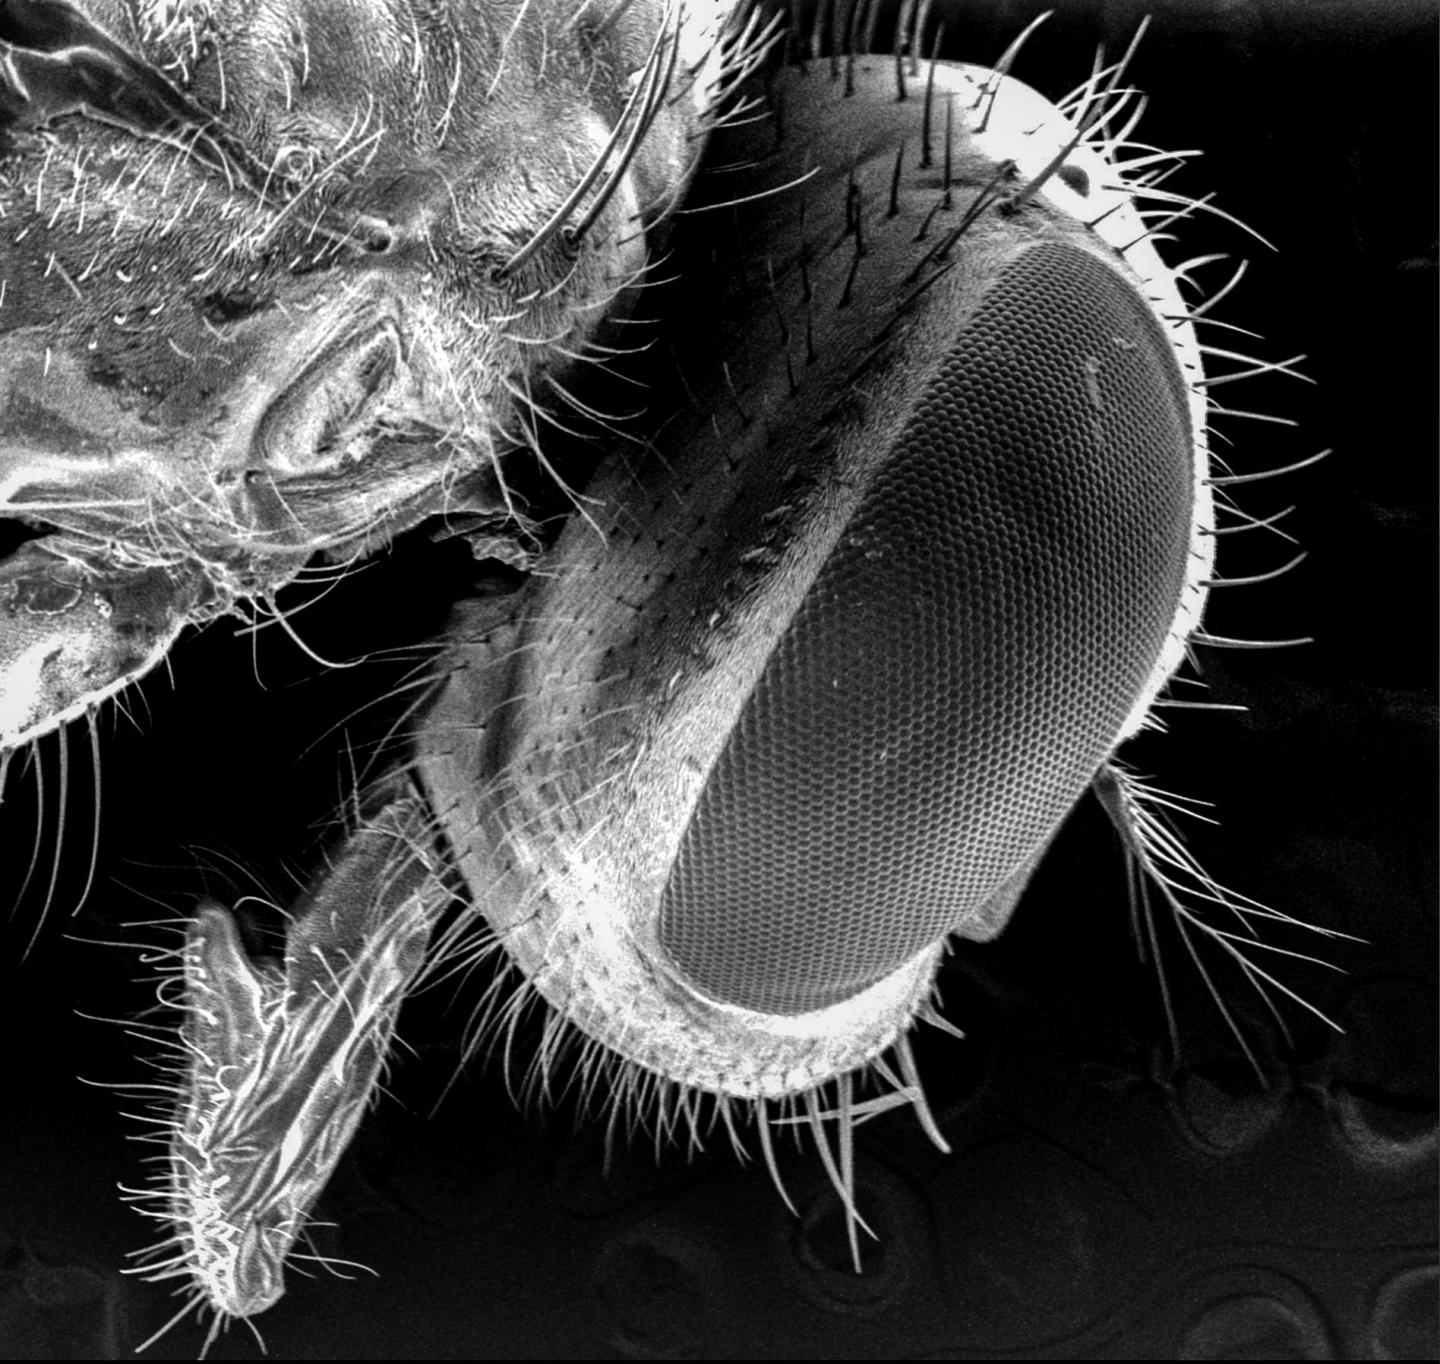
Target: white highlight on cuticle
<point x="277" y="1064"/>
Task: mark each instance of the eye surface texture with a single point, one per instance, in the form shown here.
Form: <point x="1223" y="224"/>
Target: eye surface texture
<point x="963" y="662"/>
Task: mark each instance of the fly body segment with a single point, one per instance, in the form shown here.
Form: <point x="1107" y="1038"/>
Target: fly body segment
<point x="296" y="286"/>
<point x="914" y="532"/>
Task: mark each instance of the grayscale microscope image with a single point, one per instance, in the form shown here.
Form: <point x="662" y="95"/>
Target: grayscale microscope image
<point x="718" y="679"/>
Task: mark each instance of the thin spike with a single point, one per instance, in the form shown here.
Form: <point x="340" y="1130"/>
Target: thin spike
<point x="922" y="17"/>
<point x="872" y="24"/>
<point x="894" y="207"/>
<point x="94" y="736"/>
<point x="1166" y="196"/>
<point x="1200" y="705"/>
<point x="1124" y="63"/>
<point x="1217" y="411"/>
<point x="845" y="1131"/>
<point x="931" y="1014"/>
<point x="638" y="99"/>
<point x="63" y="800"/>
<point x="1258" y="577"/>
<point x="982" y="201"/>
<point x="859" y="251"/>
<point x="280" y="618"/>
<point x="1229" y="480"/>
<point x="660" y="79"/>
<point x="784" y="333"/>
<point x="1224" y="642"/>
<point x="926" y="154"/>
<point x="851" y="15"/>
<point x="843" y="1189"/>
<point x="1077" y="103"/>
<point x="1018" y="201"/>
<point x="949" y="147"/>
<point x="1254" y="523"/>
<point x="916" y="1094"/>
<point x="847" y="292"/>
<point x="752" y="198"/>
<point x="1273" y="367"/>
<point x="745" y="417"/>
<point x="1170" y="219"/>
<point x="1157" y="859"/>
<point x="34" y="757"/>
<point x="1198" y="312"/>
<point x="991" y="89"/>
<point x="850" y="27"/>
<point x="925" y="228"/>
<point x="195" y="1300"/>
<point x="899" y="55"/>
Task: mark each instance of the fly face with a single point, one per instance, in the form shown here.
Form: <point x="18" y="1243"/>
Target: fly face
<point x="914" y="535"/>
<point x="882" y="601"/>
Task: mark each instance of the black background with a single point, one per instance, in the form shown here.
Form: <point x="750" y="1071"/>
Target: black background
<point x="1107" y="1194"/>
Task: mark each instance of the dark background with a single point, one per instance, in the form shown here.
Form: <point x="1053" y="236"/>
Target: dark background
<point x="1108" y="1198"/>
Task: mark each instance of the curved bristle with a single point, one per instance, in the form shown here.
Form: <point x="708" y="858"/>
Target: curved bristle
<point x="273" y="1064"/>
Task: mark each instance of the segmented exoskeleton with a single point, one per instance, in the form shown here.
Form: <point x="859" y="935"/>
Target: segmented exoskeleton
<point x="837" y="634"/>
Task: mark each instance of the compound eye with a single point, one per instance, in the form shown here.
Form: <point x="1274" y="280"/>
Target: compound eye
<point x="965" y="659"/>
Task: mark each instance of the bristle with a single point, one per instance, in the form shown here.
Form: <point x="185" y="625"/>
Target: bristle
<point x="893" y="210"/>
<point x="1159" y="862"/>
<point x="926" y="157"/>
<point x="274" y="1027"/>
<point x="1259" y="577"/>
<point x="1231" y="480"/>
